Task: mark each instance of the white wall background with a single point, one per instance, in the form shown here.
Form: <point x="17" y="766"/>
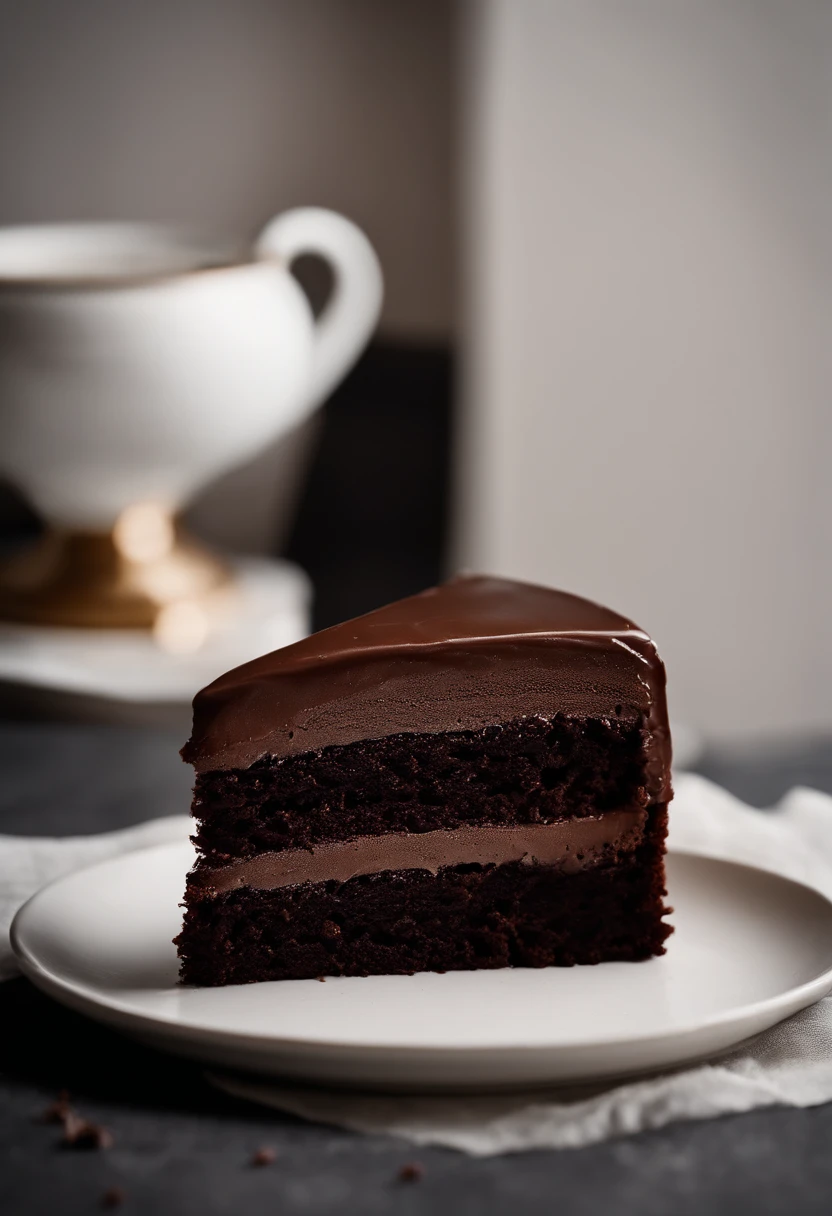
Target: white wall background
<point x="647" y="205"/>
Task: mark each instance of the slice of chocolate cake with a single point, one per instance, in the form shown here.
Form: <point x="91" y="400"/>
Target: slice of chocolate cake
<point x="477" y="776"/>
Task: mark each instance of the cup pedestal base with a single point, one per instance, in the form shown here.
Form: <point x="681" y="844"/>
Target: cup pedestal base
<point x="134" y="577"/>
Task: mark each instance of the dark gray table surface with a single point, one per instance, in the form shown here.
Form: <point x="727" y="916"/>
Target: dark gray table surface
<point x="182" y="1147"/>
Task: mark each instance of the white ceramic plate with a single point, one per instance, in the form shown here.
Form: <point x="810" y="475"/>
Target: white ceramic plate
<point x="750" y="948"/>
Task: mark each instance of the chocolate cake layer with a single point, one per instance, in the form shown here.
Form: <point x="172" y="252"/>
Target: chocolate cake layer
<point x="531" y="771"/>
<point x="570" y="845"/>
<point x="463" y="918"/>
<point x="469" y="654"/>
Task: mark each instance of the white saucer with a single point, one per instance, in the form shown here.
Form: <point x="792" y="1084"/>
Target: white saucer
<point x="750" y="948"/>
<point x="128" y="665"/>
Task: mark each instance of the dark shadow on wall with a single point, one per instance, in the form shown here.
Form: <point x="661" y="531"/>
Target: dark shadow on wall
<point x="372" y="521"/>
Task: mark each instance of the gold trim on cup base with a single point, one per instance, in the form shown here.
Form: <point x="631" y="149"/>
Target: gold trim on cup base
<point x="144" y="574"/>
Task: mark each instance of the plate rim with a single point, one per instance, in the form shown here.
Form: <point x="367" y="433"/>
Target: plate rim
<point x="88" y="1000"/>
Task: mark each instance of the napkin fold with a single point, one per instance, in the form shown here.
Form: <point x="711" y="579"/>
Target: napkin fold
<point x="790" y="1065"/>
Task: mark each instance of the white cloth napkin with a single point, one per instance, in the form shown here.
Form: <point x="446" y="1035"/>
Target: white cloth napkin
<point x="789" y="1065"/>
<point x="28" y="863"/>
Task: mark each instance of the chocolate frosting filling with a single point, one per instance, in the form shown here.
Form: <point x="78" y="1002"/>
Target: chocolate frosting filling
<point x="473" y="653"/>
<point x="570" y="845"/>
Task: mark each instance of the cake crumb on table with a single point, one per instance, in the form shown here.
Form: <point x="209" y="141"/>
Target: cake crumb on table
<point x="113" y="1197"/>
<point x="80" y="1133"/>
<point x="411" y="1172"/>
<point x="57" y="1111"/>
<point x="263" y="1156"/>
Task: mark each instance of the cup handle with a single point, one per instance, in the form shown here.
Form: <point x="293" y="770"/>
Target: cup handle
<point x="349" y="318"/>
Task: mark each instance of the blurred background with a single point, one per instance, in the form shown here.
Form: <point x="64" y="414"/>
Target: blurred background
<point x="602" y="360"/>
<point x="220" y="114"/>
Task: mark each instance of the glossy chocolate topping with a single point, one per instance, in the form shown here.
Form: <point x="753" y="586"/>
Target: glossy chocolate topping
<point x="472" y="653"/>
<point x="571" y="845"/>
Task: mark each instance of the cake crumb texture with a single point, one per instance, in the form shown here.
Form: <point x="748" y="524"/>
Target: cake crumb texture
<point x="464" y="918"/>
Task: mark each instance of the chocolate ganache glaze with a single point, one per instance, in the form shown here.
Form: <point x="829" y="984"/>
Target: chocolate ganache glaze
<point x="570" y="845"/>
<point x="474" y="652"/>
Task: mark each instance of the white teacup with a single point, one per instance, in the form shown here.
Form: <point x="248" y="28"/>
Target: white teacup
<point x="137" y="362"/>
